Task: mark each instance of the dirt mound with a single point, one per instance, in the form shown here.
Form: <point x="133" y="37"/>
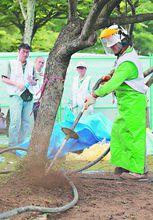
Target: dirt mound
<point x="29" y="185"/>
<point x="101" y="196"/>
<point x="35" y="168"/>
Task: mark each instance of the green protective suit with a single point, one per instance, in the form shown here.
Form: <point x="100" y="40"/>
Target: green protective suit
<point x="128" y="136"/>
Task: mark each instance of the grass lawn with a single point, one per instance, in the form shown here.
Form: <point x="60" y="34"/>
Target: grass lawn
<point x="11" y="160"/>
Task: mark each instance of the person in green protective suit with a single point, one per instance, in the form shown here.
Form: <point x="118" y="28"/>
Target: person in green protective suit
<point x="128" y="137"/>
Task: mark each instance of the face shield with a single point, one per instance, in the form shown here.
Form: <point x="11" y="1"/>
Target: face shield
<point x="107" y="50"/>
<point x="109" y="42"/>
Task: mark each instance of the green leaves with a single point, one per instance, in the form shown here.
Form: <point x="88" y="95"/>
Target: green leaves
<point x="51" y="16"/>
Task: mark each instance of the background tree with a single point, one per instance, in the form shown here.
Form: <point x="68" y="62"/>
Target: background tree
<point x="76" y="35"/>
<point x="51" y="16"/>
<point x="30" y="15"/>
<point x="143" y="32"/>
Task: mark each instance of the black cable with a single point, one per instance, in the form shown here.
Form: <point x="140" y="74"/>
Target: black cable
<point x="94" y="162"/>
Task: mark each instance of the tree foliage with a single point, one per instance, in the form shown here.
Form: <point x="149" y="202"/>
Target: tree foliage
<point x="51" y="16"/>
<point x="143" y="32"/>
<point x="11" y="14"/>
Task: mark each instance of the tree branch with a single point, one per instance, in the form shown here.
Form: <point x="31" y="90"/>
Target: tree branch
<point x="92" y="17"/>
<point x="107" y="10"/>
<point x="148" y="71"/>
<point x="131" y="26"/>
<point x="132" y="6"/>
<point x="123" y="20"/>
<point x="23" y="9"/>
<point x="40" y="22"/>
<point x="17" y="22"/>
<point x="72" y="9"/>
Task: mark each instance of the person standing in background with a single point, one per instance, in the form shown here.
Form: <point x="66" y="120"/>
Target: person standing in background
<point x="39" y="75"/>
<point x="81" y="88"/>
<point x="19" y="78"/>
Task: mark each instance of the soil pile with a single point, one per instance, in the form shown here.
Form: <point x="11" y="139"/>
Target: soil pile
<point x="31" y="186"/>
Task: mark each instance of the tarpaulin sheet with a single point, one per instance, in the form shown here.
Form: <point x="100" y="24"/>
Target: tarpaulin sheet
<point x="90" y="129"/>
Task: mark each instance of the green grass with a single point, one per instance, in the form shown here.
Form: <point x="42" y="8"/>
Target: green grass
<point x="102" y="165"/>
<point x="10" y="162"/>
<point x="75" y="164"/>
<point x="150" y="163"/>
<point x="71" y="165"/>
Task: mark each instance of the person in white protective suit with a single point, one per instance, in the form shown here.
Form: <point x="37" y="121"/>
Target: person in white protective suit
<point x="81" y="88"/>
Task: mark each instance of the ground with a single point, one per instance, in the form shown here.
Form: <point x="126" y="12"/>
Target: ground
<point x="101" y="196"/>
<point x="109" y="199"/>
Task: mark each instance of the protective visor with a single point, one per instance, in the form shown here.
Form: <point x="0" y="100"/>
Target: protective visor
<point x="107" y="50"/>
<point x="109" y="42"/>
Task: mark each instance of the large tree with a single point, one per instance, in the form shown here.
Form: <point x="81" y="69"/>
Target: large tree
<point x="76" y="35"/>
<point x="30" y="15"/>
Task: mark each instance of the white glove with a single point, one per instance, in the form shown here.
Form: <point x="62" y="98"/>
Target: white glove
<point x="90" y="100"/>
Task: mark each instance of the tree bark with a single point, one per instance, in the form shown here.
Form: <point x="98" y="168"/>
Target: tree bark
<point x="148" y="71"/>
<point x="29" y="22"/>
<point x="150" y="80"/>
<point x="22" y="9"/>
<point x="72" y="10"/>
<point x="89" y="24"/>
<point x="109" y="7"/>
<point x="105" y="22"/>
<point x="55" y="71"/>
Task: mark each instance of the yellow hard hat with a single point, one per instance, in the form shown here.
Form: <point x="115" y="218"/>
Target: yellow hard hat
<point x="108" y="32"/>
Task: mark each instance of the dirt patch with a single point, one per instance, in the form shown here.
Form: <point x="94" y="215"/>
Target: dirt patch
<point x="107" y="197"/>
<point x="101" y="196"/>
<point x="31" y="186"/>
<point x="36" y="169"/>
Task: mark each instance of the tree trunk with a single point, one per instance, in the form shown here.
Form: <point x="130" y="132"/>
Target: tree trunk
<point x="29" y="22"/>
<point x="56" y="68"/>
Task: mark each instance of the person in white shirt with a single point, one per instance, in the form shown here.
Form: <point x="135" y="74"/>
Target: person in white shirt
<point x="19" y="78"/>
<point x="81" y="88"/>
<point x="38" y="68"/>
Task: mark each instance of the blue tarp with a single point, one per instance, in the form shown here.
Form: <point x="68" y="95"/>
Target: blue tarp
<point x="90" y="129"/>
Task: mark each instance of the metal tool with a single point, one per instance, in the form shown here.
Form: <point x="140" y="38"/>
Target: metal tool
<point x="70" y="133"/>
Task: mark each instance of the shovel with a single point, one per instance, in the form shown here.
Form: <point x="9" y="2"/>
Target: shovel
<point x="69" y="132"/>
